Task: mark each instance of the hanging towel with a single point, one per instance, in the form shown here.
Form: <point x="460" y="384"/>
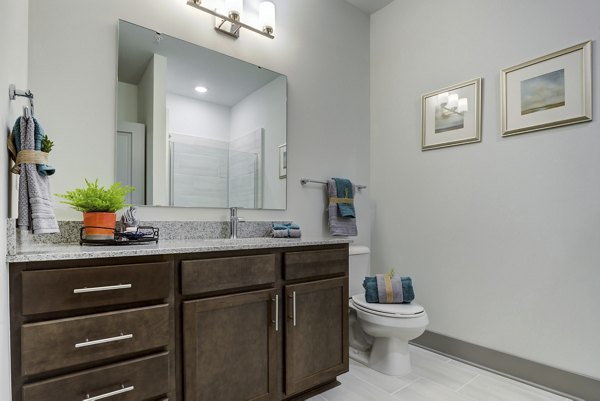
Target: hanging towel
<point x="42" y="168"/>
<point x="400" y="285"/>
<point x="35" y="202"/>
<point x="338" y="225"/>
<point x="345" y="195"/>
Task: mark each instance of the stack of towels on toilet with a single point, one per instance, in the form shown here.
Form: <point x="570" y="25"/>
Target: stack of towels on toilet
<point x="388" y="289"/>
<point x="286" y="230"/>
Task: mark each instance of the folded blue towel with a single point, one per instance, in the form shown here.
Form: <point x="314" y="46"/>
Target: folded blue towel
<point x="286" y="230"/>
<point x="372" y="293"/>
<point x="345" y="190"/>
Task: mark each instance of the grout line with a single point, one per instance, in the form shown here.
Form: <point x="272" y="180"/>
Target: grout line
<point x="470" y="381"/>
<point x="406" y="385"/>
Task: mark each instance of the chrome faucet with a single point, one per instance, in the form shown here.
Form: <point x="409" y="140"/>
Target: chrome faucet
<point x="233" y="222"/>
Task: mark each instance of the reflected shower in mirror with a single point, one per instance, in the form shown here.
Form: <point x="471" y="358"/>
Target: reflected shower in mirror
<point x="195" y="127"/>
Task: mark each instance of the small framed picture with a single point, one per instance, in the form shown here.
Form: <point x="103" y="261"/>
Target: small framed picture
<point x="547" y="92"/>
<point x="283" y="161"/>
<point x="451" y="116"/>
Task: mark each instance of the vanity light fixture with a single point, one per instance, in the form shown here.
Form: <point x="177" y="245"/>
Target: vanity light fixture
<point x="228" y="17"/>
<point x="451" y="104"/>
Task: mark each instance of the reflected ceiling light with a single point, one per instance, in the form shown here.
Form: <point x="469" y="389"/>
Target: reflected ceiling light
<point x="229" y="14"/>
<point x="452" y="104"/>
<point x="201" y="89"/>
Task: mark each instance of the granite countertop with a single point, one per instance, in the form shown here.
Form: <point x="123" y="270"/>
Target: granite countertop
<point x="48" y="252"/>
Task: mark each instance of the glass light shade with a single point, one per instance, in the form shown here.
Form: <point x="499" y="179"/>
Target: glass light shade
<point x="452" y="101"/>
<point x="266" y="15"/>
<point x="235" y="7"/>
<point x="443" y="98"/>
<point x="463" y="105"/>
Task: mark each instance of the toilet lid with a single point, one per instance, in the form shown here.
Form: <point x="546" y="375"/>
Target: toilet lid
<point x="399" y="310"/>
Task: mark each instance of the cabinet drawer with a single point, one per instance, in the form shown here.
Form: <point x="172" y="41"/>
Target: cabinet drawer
<point x="79" y="288"/>
<point x="137" y="380"/>
<point x="208" y="275"/>
<point x="56" y="344"/>
<point x="315" y="263"/>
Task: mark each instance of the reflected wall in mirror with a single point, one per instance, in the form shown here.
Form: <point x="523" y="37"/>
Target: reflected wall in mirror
<point x="195" y="127"/>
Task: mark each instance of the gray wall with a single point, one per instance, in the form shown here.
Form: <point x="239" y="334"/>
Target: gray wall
<point x="325" y="56"/>
<point x="501" y="237"/>
<point x="13" y="70"/>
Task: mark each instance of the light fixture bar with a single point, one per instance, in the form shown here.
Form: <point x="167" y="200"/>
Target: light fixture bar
<point x="196" y="4"/>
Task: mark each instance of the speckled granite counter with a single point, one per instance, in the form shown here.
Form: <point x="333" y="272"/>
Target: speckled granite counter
<point x="48" y="252"/>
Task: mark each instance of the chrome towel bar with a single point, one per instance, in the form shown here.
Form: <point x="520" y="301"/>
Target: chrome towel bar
<point x="305" y="181"/>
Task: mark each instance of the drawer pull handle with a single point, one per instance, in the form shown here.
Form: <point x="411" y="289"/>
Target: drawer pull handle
<point x="276" y="321"/>
<point x="98" y="289"/>
<point x="293" y="317"/>
<point x="88" y="343"/>
<point x="122" y="390"/>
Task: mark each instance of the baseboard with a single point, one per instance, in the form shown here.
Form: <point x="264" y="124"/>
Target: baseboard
<point x="571" y="385"/>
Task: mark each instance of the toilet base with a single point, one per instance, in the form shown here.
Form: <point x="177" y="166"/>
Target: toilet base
<point x="359" y="356"/>
<point x="390" y="356"/>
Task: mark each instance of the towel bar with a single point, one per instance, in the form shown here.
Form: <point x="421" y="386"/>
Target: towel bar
<point x="305" y="181"/>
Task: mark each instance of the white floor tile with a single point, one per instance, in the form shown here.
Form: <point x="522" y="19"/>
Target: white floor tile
<point x="487" y="373"/>
<point x="316" y="398"/>
<point x="486" y="388"/>
<point x="426" y="390"/>
<point x="387" y="383"/>
<point x="440" y="372"/>
<point x="354" y="389"/>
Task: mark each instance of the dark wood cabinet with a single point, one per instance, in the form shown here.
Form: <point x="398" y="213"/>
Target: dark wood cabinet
<point x="316" y="346"/>
<point x="244" y="325"/>
<point x="230" y="347"/>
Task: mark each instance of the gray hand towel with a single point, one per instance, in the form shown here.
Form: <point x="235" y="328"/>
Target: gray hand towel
<point x="338" y="225"/>
<point x="35" y="202"/>
<point x="392" y="295"/>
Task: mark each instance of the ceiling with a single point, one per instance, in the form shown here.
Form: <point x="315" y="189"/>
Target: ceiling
<point x="370" y="6"/>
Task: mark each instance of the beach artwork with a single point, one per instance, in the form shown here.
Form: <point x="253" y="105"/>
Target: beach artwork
<point x="543" y="92"/>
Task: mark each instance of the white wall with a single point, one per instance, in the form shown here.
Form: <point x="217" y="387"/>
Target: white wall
<point x="264" y="109"/>
<point x="195" y="117"/>
<point x="325" y="56"/>
<point x="13" y="70"/>
<point x="127" y="109"/>
<point x="501" y="237"/>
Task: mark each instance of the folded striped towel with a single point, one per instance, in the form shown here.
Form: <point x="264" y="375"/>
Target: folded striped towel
<point x="399" y="289"/>
<point x="286" y="230"/>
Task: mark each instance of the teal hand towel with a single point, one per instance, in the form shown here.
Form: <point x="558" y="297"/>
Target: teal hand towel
<point x="372" y="293"/>
<point x="345" y="190"/>
<point x="42" y="169"/>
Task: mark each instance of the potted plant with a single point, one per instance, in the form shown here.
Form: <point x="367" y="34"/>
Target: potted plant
<point x="99" y="206"/>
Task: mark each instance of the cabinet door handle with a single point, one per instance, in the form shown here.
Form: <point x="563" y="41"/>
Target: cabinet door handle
<point x="88" y="343"/>
<point x="293" y="317"/>
<point x="276" y="321"/>
<point x="98" y="289"/>
<point x="122" y="390"/>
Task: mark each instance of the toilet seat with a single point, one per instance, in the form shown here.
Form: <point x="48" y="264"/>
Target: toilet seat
<point x="405" y="311"/>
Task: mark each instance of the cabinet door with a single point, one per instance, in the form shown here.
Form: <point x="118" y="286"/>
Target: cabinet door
<point x="229" y="347"/>
<point x="316" y="333"/>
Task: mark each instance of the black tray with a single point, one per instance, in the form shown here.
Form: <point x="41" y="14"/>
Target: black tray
<point x="143" y="235"/>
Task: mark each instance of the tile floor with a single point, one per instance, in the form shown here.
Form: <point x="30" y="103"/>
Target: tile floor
<point x="434" y="378"/>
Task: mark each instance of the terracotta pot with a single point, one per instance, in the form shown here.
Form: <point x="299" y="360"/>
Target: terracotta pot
<point x="99" y="219"/>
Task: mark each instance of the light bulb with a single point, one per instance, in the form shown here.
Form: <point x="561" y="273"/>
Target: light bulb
<point x="266" y="15"/>
<point x="452" y="101"/>
<point x="201" y="89"/>
<point x="443" y="98"/>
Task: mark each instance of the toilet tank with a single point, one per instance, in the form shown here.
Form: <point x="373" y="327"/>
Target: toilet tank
<point x="359" y="261"/>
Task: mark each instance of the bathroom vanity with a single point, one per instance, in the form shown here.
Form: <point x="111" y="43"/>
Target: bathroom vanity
<point x="183" y="320"/>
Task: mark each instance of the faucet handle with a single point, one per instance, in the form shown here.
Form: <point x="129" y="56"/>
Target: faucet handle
<point x="233" y="212"/>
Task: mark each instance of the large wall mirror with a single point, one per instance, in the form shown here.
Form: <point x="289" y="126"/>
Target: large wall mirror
<point x="198" y="128"/>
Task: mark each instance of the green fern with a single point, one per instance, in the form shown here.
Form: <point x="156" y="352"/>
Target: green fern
<point x="47" y="144"/>
<point x="95" y="198"/>
<point x="392" y="272"/>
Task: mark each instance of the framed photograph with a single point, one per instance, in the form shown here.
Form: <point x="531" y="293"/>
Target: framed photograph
<point x="547" y="92"/>
<point x="283" y="161"/>
<point x="451" y="116"/>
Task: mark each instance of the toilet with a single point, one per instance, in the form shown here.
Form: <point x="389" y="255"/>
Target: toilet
<point x="379" y="333"/>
